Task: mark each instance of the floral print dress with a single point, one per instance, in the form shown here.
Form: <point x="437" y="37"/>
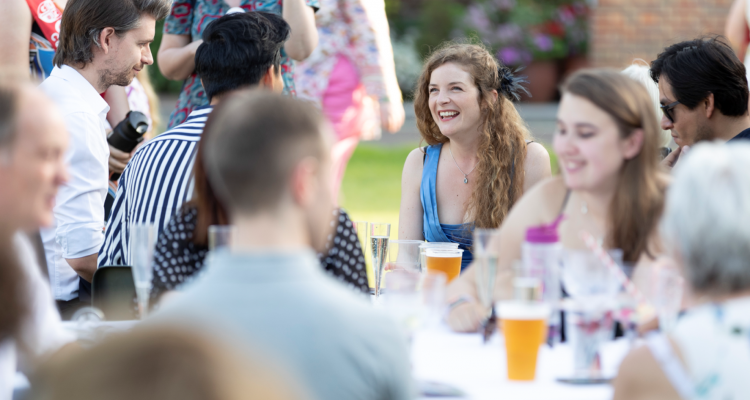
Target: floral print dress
<point x="190" y="17"/>
<point x="358" y="30"/>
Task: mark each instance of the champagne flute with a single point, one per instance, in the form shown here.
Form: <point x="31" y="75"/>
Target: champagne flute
<point x="360" y="227"/>
<point x="379" y="235"/>
<point x="142" y="242"/>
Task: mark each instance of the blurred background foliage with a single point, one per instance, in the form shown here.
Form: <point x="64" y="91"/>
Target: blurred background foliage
<point x="518" y="31"/>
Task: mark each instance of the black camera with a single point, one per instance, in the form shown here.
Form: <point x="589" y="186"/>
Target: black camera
<point x="128" y="134"/>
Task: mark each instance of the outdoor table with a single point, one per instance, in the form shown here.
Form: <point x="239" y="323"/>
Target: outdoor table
<point x="479" y="370"/>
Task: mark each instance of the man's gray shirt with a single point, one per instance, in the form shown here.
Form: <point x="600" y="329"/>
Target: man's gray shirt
<point x="336" y="344"/>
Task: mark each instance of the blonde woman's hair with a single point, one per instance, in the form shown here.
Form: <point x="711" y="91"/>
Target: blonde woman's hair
<point x="641" y="72"/>
<point x="502" y="149"/>
<point x="160" y="363"/>
<point x="639" y="198"/>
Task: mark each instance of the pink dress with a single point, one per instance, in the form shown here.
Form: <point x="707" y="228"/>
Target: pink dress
<point x="352" y="65"/>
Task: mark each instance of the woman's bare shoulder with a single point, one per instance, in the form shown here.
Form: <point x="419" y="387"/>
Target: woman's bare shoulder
<point x="547" y="191"/>
<point x="536" y="152"/>
<point x="541" y="204"/>
<point x="413" y="165"/>
<point x="641" y="376"/>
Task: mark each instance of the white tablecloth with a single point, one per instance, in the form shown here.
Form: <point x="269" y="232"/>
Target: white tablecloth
<point x="463" y="361"/>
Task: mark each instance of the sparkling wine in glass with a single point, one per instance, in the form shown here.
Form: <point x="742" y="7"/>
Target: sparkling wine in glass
<point x="379" y="235"/>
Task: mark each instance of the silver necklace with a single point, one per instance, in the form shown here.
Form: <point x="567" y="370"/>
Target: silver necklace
<point x="466" y="176"/>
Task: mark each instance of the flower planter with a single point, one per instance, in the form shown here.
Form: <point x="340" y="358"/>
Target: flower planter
<point x="543" y="80"/>
<point x="573" y="64"/>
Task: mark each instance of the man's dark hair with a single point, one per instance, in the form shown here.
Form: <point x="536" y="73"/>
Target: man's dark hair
<point x="83" y="22"/>
<point x="253" y="141"/>
<point x="696" y="68"/>
<point x="238" y="49"/>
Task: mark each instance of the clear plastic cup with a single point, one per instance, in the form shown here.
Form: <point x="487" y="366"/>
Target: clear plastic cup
<point x="446" y="261"/>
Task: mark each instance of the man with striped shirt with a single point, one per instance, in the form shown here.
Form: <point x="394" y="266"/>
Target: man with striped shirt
<point x="158" y="180"/>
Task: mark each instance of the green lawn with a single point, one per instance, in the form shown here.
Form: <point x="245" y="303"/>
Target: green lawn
<point x="371" y="190"/>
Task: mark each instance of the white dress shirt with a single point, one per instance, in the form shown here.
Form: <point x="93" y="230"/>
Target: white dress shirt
<point x="79" y="207"/>
<point x="42" y="332"/>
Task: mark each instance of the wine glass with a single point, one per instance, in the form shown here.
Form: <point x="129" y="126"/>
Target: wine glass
<point x="379" y="235"/>
<point x="593" y="289"/>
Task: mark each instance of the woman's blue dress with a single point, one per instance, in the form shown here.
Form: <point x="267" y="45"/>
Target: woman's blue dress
<point x="433" y="230"/>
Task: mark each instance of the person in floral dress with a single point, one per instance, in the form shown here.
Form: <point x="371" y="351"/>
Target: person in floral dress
<point x="182" y="36"/>
<point x="352" y="76"/>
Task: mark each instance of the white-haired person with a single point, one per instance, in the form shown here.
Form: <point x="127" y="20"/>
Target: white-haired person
<point x="706" y="228"/>
<point x="641" y="72"/>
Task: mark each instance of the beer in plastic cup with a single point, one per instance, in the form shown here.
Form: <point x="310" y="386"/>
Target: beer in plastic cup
<point x="524" y="325"/>
<point x="447" y="261"/>
<point x="429" y="245"/>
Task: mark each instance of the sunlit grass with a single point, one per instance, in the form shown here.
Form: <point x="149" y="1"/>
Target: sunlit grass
<point x="371" y="190"/>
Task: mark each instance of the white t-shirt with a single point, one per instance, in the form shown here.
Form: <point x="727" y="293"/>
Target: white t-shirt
<point x="42" y="332"/>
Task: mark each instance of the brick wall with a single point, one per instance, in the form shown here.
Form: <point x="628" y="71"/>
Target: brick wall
<point x="622" y="30"/>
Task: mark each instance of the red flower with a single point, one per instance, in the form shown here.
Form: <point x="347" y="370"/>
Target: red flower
<point x="554" y="28"/>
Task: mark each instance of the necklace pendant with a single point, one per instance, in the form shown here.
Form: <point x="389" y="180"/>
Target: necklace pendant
<point x="466" y="180"/>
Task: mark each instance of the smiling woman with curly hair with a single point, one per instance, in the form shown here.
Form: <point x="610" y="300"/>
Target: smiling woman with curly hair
<point x="463" y="104"/>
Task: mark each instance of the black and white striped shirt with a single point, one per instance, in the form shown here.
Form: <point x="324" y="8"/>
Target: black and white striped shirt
<point x="156" y="182"/>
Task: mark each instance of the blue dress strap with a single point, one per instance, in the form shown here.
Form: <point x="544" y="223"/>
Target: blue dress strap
<point x="432" y="230"/>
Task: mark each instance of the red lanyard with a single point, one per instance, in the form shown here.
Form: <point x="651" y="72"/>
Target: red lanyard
<point x="47" y="15"/>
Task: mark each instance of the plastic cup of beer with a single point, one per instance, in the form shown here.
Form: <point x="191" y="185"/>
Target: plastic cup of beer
<point x="432" y="245"/>
<point x="447" y="261"/>
<point x="524" y="325"/>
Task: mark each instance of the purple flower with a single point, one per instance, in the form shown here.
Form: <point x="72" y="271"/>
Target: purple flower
<point x="566" y="16"/>
<point x="477" y="18"/>
<point x="505" y="4"/>
<point x="509" y="33"/>
<point x="513" y="56"/>
<point x="543" y="42"/>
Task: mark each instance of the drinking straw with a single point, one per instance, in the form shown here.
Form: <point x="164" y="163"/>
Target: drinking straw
<point x="605" y="258"/>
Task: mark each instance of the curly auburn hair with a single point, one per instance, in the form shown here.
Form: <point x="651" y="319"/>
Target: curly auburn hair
<point x="502" y="147"/>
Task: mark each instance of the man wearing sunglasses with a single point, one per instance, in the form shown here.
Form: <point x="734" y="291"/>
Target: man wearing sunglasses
<point x="703" y="92"/>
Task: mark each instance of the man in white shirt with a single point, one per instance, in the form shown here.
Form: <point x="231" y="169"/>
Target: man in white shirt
<point x="32" y="168"/>
<point x="102" y="43"/>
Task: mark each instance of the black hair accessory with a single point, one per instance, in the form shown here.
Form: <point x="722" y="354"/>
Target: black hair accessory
<point x="511" y="86"/>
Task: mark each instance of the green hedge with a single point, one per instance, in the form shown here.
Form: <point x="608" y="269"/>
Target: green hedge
<point x="158" y="81"/>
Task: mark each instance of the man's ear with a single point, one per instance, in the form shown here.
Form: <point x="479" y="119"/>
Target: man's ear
<point x="304" y="180"/>
<point x="105" y="39"/>
<point x="268" y="78"/>
<point x="710" y="105"/>
<point x="633" y="144"/>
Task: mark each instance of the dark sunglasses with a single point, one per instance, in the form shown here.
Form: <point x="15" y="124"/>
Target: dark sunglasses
<point x="668" y="110"/>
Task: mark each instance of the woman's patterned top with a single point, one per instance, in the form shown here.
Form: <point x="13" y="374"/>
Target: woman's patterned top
<point x="177" y="259"/>
<point x="190" y="17"/>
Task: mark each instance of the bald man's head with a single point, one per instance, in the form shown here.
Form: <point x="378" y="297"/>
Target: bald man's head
<point x="33" y="140"/>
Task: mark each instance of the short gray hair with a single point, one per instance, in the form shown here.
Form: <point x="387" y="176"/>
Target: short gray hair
<point x="707" y="217"/>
